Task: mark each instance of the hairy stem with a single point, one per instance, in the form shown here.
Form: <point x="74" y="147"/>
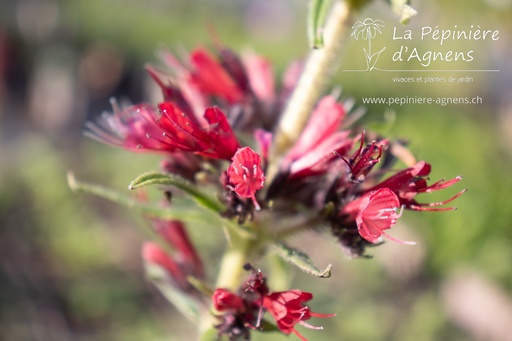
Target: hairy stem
<point x="317" y="71"/>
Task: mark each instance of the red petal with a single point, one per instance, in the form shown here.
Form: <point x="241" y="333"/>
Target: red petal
<point x="175" y="234"/>
<point x="378" y="213"/>
<point x="152" y="253"/>
<point x="223" y="300"/>
<point x="246" y="174"/>
<point x="222" y="138"/>
<point x="211" y="78"/>
<point x="324" y="121"/>
<point x="260" y="76"/>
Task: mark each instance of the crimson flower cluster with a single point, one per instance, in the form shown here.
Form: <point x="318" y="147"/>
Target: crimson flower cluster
<point x="215" y="127"/>
<point x="244" y="310"/>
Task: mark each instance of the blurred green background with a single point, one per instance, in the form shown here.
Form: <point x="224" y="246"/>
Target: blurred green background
<point x="69" y="263"/>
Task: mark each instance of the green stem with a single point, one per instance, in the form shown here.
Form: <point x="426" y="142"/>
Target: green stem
<point x="230" y="274"/>
<point x="317" y="71"/>
<point x="231" y="269"/>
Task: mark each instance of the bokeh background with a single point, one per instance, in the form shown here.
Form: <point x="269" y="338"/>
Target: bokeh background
<point x="70" y="266"/>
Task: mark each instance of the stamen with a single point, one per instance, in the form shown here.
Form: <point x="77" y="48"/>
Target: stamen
<point x="396" y="240"/>
<point x="442" y="184"/>
<point x="256" y="205"/>
<point x="430" y="206"/>
<point x="401" y="211"/>
<point x="307" y="325"/>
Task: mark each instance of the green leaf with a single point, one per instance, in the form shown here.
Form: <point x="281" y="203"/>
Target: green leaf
<point x="188" y="305"/>
<point x="176" y="211"/>
<point x="155" y="178"/>
<point x="301" y="260"/>
<point x="317" y="13"/>
<point x="179" y="210"/>
<point x="203" y="199"/>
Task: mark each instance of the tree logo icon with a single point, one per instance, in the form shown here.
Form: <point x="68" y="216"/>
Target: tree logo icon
<point x="367" y="29"/>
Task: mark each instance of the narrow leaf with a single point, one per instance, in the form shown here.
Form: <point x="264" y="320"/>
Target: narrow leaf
<point x="179" y="210"/>
<point x="155" y="178"/>
<point x="301" y="260"/>
<point x="317" y="13"/>
<point x="202" y="198"/>
<point x="175" y="211"/>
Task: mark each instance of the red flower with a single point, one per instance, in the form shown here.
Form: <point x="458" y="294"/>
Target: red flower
<point x="409" y="182"/>
<point x="246" y="175"/>
<point x="236" y="319"/>
<point x="175" y="234"/>
<point x="375" y="212"/>
<point x="362" y="162"/>
<point x="288" y="309"/>
<point x="153" y="254"/>
<point x="313" y="151"/>
<point x="212" y="78"/>
<point x="225" y="300"/>
<point x="168" y="129"/>
<point x="261" y="77"/>
<point x="127" y="128"/>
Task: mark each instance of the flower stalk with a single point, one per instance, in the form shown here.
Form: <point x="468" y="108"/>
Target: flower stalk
<point x="231" y="267"/>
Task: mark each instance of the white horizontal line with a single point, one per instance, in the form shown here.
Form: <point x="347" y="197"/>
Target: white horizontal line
<point x="422" y="70"/>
